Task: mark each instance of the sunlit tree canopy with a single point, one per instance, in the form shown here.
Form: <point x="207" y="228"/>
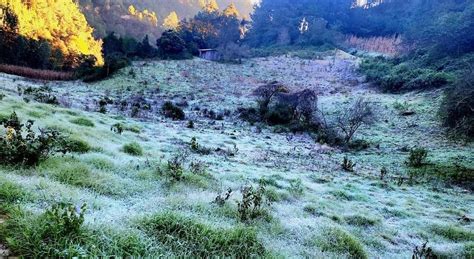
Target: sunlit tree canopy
<point x="60" y="22"/>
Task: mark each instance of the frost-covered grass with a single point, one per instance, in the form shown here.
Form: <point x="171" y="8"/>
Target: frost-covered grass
<point x="317" y="209"/>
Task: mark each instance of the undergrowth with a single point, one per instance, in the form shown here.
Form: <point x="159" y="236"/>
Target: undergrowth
<point x="186" y="237"/>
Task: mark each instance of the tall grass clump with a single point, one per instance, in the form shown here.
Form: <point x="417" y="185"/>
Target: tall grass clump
<point x="133" y="149"/>
<point x="83" y="122"/>
<point x="185" y="237"/>
<point x="337" y="240"/>
<point x="10" y="192"/>
<point x="60" y="232"/>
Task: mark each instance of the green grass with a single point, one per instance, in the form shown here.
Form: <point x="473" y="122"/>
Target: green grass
<point x="133" y="149"/>
<point x="83" y="122"/>
<point x="453" y="232"/>
<point x="11" y="192"/>
<point x="337" y="240"/>
<point x="77" y="145"/>
<point x="187" y="237"/>
<point x="39" y="236"/>
<point x="361" y="221"/>
<point x="69" y="170"/>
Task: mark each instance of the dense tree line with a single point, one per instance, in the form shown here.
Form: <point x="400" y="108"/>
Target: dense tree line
<point x="115" y="16"/>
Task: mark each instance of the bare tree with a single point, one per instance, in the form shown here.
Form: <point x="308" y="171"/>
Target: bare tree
<point x="352" y="118"/>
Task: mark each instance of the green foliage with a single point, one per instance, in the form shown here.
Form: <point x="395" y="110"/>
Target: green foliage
<point x="66" y="219"/>
<point x="46" y="235"/>
<point x="20" y="145"/>
<point x="11" y="192"/>
<point x="334" y="239"/>
<point x="42" y="94"/>
<point x="251" y="205"/>
<point x="83" y="122"/>
<point x="133" y="149"/>
<point x="210" y="30"/>
<point x="113" y="63"/>
<point x="451" y="174"/>
<point x="453" y="232"/>
<point x="60" y="233"/>
<point x="172" y="111"/>
<point x="186" y="237"/>
<point x="72" y="144"/>
<point x="394" y="77"/>
<point x="175" y="168"/>
<point x="172" y="46"/>
<point x="296" y="187"/>
<point x="456" y="110"/>
<point x="417" y="157"/>
<point x="118" y="128"/>
<point x="362" y="221"/>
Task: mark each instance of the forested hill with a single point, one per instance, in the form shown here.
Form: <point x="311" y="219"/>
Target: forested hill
<point x="147" y="16"/>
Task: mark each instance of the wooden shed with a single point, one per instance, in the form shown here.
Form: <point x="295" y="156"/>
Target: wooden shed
<point x="209" y="54"/>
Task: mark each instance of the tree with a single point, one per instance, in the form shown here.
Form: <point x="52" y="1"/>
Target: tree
<point x="231" y="10"/>
<point x="171" y="45"/>
<point x="210" y="6"/>
<point x="144" y="49"/>
<point x="39" y="19"/>
<point x="132" y="10"/>
<point x="171" y="22"/>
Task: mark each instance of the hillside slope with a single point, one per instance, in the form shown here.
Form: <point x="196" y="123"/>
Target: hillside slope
<point x="316" y="209"/>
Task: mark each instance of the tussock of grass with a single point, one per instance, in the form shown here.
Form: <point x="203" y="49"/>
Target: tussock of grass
<point x="362" y="221"/>
<point x="83" y="122"/>
<point x="133" y="149"/>
<point x="77" y="145"/>
<point x="11" y="192"/>
<point x="337" y="240"/>
<point x="187" y="237"/>
<point x="452" y="232"/>
<point x="70" y="171"/>
<point x="37" y="236"/>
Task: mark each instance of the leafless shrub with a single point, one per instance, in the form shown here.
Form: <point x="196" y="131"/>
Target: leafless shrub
<point x="222" y="198"/>
<point x="352" y="118"/>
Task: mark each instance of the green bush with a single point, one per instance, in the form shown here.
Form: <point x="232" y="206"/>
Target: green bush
<point x="252" y="203"/>
<point x="187" y="238"/>
<point x="456" y="108"/>
<point x="172" y="111"/>
<point x="83" y="122"/>
<point x="75" y="145"/>
<point x="417" y="157"/>
<point x="336" y="240"/>
<point x="22" y="146"/>
<point x="133" y="149"/>
<point x="393" y="76"/>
